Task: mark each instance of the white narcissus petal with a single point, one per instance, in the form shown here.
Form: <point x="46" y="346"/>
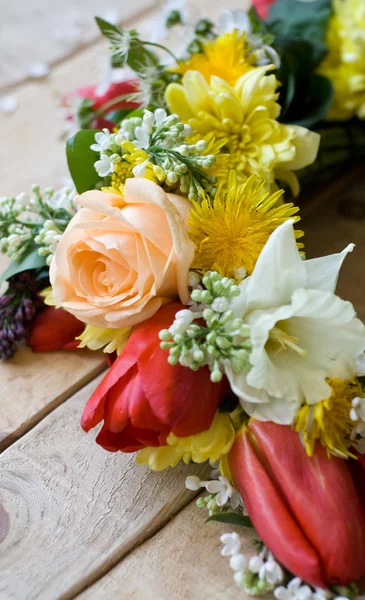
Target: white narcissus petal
<point x="322" y="273"/>
<point x="278" y="272"/>
<point x="277" y="410"/>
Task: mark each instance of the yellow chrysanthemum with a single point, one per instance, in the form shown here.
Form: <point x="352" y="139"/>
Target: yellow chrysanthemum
<point x="345" y="63"/>
<point x="246" y="116"/>
<point x="226" y="57"/>
<point x="208" y="445"/>
<point x="124" y="169"/>
<point x="230" y="231"/>
<point x="112" y="340"/>
<point x="329" y="421"/>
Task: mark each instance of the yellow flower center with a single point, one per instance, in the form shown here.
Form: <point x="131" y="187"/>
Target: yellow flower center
<point x="280" y="340"/>
<point x="230" y="231"/>
<point x="329" y="420"/>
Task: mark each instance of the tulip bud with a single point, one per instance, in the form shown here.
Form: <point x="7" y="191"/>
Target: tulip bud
<point x="307" y="510"/>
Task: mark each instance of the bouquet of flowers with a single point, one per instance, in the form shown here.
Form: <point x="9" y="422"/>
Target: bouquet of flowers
<point x="179" y="254"/>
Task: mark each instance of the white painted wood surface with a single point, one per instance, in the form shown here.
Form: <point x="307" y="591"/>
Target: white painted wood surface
<point x="39" y="31"/>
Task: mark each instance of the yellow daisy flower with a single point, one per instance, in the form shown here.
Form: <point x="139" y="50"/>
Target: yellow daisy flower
<point x="226" y="57"/>
<point x="211" y="445"/>
<point x="344" y="65"/>
<point x="246" y="116"/>
<point x="230" y="231"/>
<point x="329" y="421"/>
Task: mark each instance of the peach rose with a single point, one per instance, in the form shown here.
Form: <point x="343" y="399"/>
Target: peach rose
<point x="120" y="259"/>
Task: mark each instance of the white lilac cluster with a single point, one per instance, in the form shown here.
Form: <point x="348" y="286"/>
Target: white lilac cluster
<point x="257" y="574"/>
<point x="261" y="573"/>
<point x="222" y="494"/>
<point x="222" y="340"/>
<point x="27" y="220"/>
<point x="163" y="138"/>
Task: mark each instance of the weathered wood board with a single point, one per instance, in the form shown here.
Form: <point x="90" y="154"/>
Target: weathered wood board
<point x="32" y="385"/>
<point x="69" y="511"/>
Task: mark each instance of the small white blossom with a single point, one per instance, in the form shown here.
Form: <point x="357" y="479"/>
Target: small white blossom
<point x="238" y="562"/>
<point x="220" y="305"/>
<point x="160" y="116"/>
<point x="293" y="591"/>
<point x="193" y="483"/>
<point x="231" y="544"/>
<point x="139" y="170"/>
<point x="142" y="138"/>
<point x="102" y="139"/>
<point x="104" y="166"/>
<point x="271" y="571"/>
<point x="256" y="563"/>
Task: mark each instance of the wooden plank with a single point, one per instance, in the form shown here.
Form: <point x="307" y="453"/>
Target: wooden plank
<point x="181" y="562"/>
<point x="31" y="385"/>
<point x="60" y="29"/>
<point x="69" y="511"/>
<point x="333" y="218"/>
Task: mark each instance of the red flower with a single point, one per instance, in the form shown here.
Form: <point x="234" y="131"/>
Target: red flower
<point x="308" y="511"/>
<point x="54" y="329"/>
<point x="76" y="100"/>
<point x="263" y="7"/>
<point x="143" y="398"/>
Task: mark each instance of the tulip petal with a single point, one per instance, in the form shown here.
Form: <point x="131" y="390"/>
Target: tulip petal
<point x="322" y="498"/>
<point x="53" y="329"/>
<point x="270" y="513"/>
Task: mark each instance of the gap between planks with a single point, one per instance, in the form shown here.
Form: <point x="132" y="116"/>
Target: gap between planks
<point x="69" y="510"/>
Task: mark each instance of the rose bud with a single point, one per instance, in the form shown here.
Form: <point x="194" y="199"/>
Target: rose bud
<point x="307" y="510"/>
<point x="54" y="329"/>
<point x="85" y="103"/>
<point x="143" y="398"/>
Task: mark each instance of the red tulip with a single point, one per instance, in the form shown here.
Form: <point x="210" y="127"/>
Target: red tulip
<point x="143" y="398"/>
<point x="263" y="7"/>
<point x="75" y="99"/>
<point x="54" y="329"/>
<point x="308" y="511"/>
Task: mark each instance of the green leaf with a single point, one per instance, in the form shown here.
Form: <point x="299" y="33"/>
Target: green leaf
<point x="300" y="19"/>
<point x="81" y="159"/>
<point x="31" y="260"/>
<point x="231" y="519"/>
<point x="117" y="115"/>
<point x="139" y="57"/>
<point x="318" y="100"/>
<point x="107" y="29"/>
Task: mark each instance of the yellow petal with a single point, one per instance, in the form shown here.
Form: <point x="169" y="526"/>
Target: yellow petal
<point x="306" y="144"/>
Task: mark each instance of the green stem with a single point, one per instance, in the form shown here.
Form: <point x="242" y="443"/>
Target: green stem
<point x="161" y="47"/>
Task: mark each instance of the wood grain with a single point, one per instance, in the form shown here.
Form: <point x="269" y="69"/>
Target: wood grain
<point x="70" y="511"/>
<point x="59" y="28"/>
<point x="31" y="385"/>
<point x="181" y="562"/>
<point x="328" y="229"/>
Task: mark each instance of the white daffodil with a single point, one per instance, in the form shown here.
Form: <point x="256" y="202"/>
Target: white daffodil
<point x="301" y="332"/>
<point x="294" y="591"/>
<point x="102" y="139"/>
